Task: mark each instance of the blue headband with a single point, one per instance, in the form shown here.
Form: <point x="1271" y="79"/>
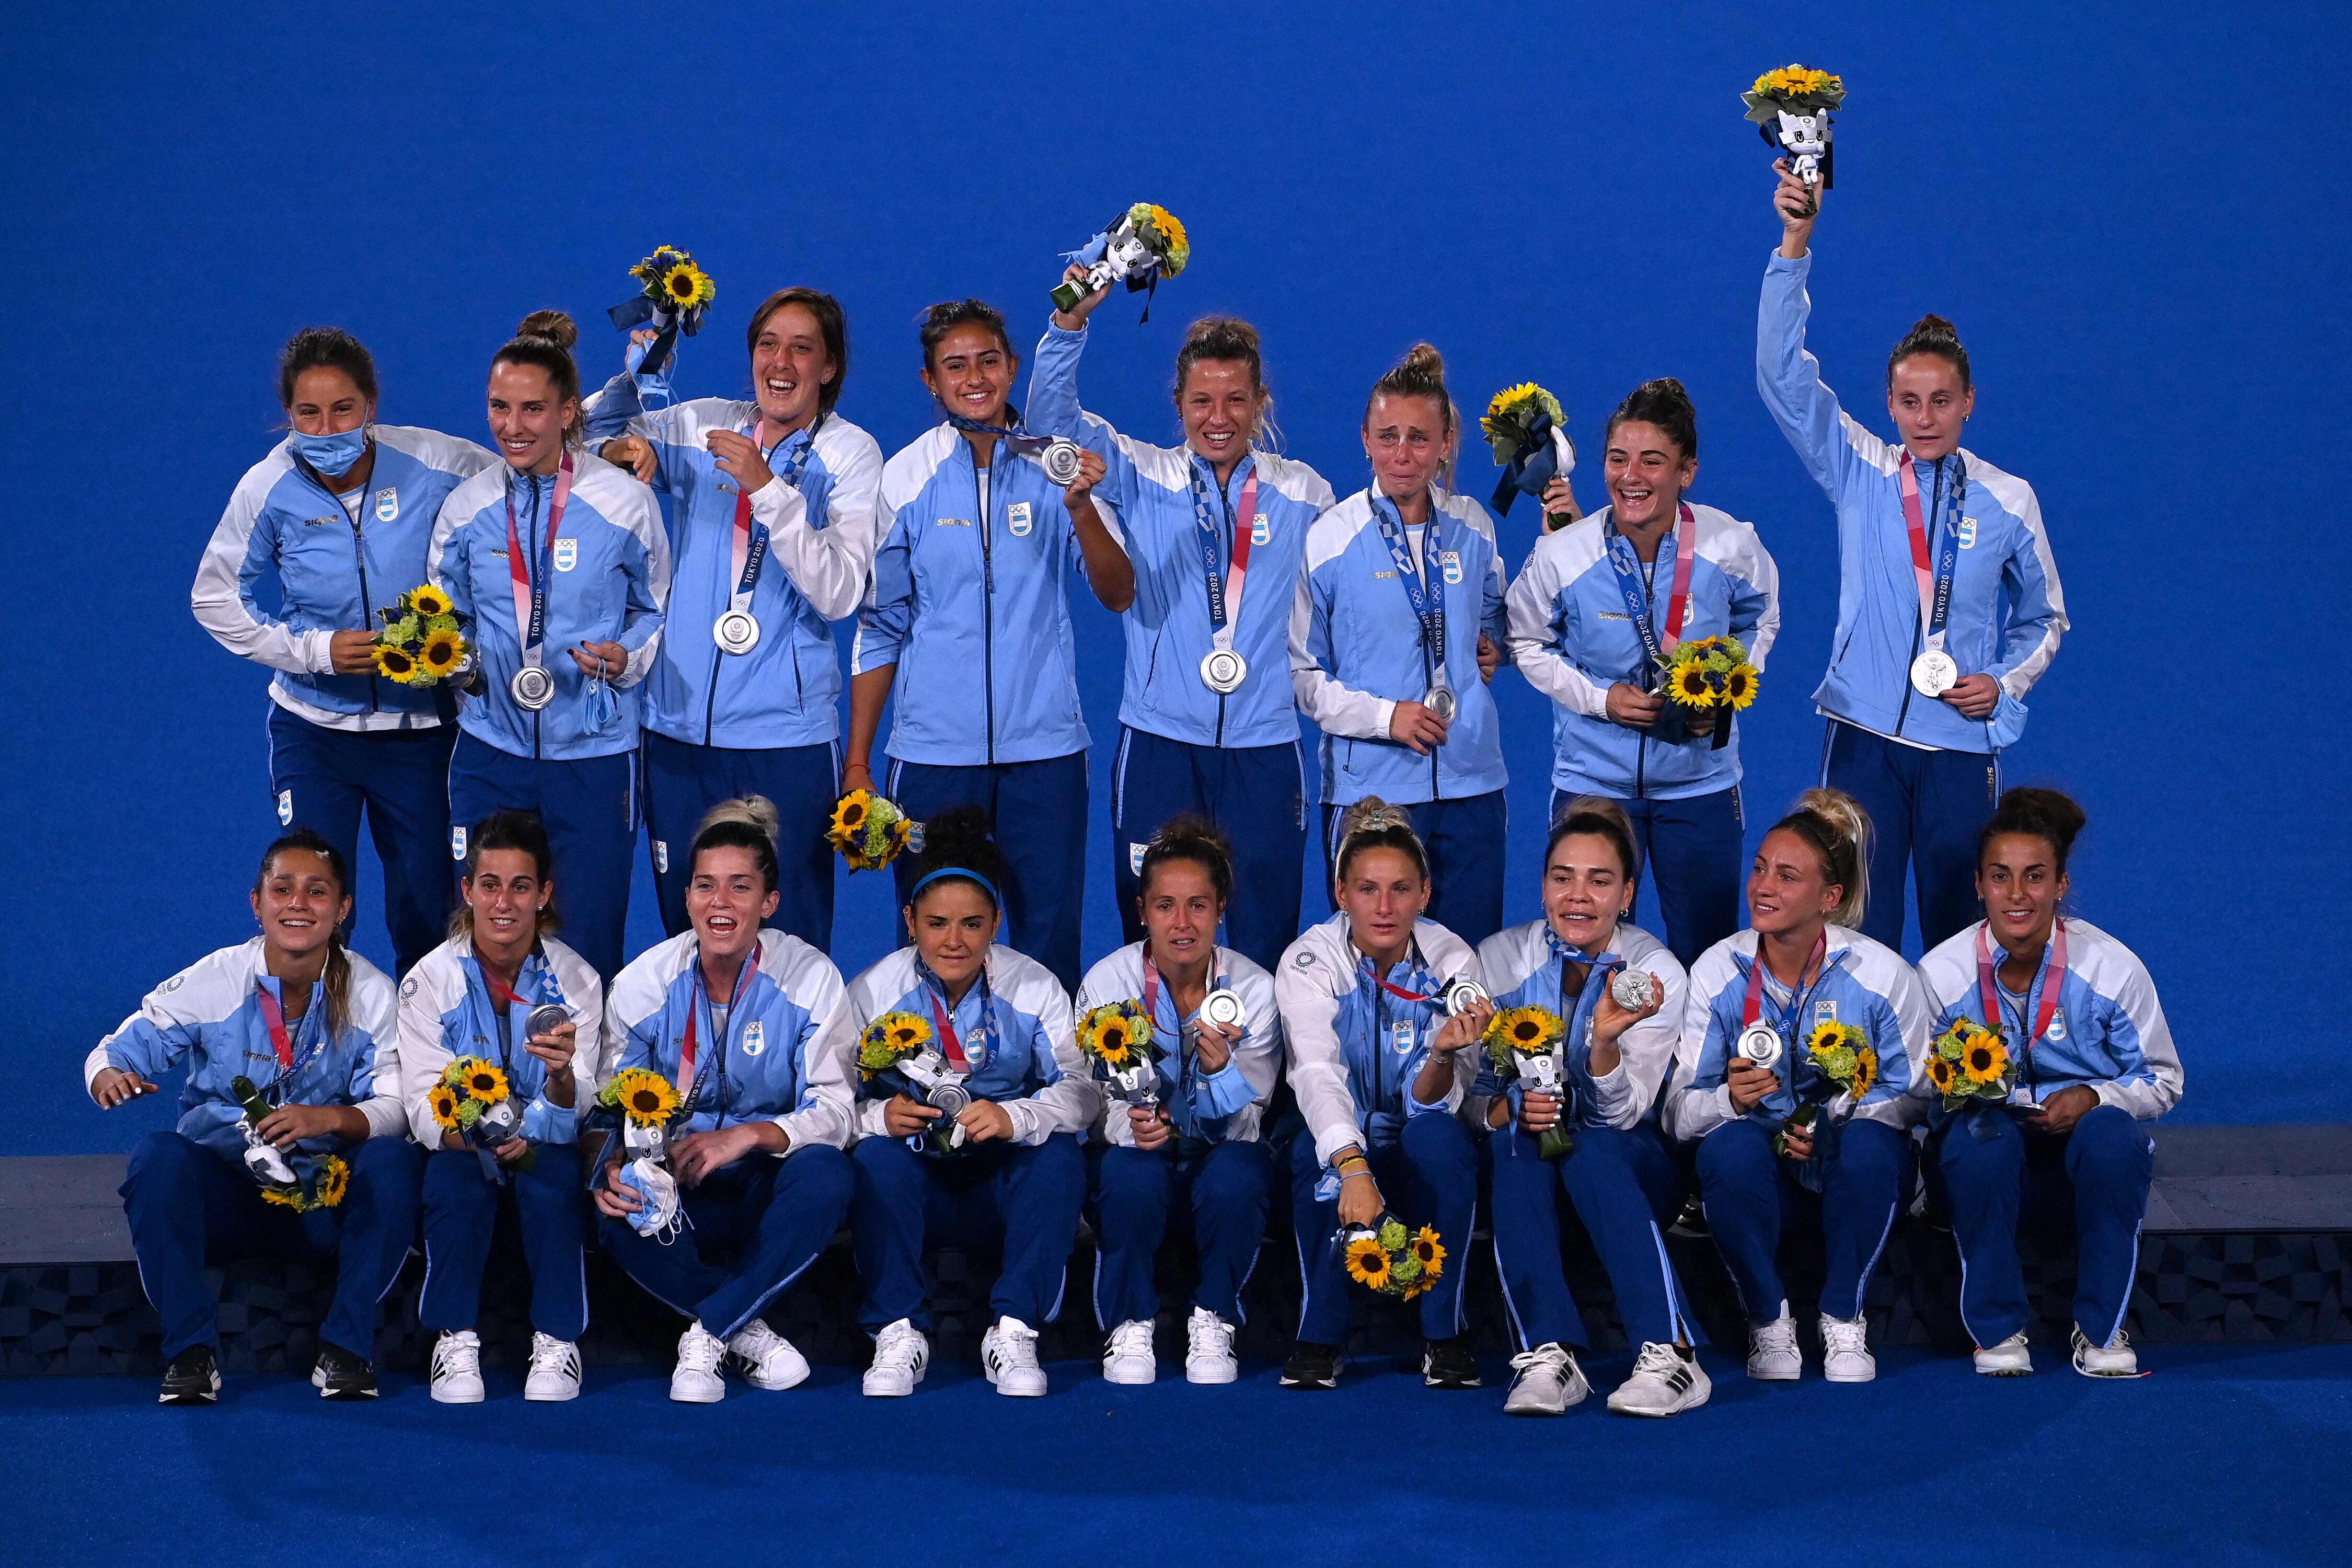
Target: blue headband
<point x="986" y="886"/>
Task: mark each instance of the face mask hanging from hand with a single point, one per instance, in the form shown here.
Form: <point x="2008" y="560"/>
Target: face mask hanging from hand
<point x="332" y="454"/>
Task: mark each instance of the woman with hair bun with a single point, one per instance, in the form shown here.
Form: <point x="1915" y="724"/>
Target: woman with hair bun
<point x="1758" y="1000"/>
<point x="981" y="1142"/>
<point x="341" y="514"/>
<point x="968" y="629"/>
<point x="1948" y="603"/>
<point x="1382" y="1063"/>
<point x="771" y="537"/>
<point x="1200" y="1145"/>
<point x="2095" y="1062"/>
<point x="1395" y="630"/>
<point x="1599" y="604"/>
<point x="476" y="995"/>
<point x="730" y="1011"/>
<point x="1216" y="528"/>
<point x="558" y="562"/>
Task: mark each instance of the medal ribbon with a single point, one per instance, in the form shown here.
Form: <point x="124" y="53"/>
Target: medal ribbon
<point x="1224" y="602"/>
<point x="1428" y="601"/>
<point x="2051" y="979"/>
<point x="948" y="1041"/>
<point x="1638" y="605"/>
<point x="530" y="586"/>
<point x="689" y="1085"/>
<point x="1936" y="583"/>
<point x="281" y="1043"/>
<point x="1754" y="1005"/>
<point x="506" y="1001"/>
<point x="749" y="544"/>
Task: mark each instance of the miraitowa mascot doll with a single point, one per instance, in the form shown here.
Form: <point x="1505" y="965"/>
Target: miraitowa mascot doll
<point x="1791" y="108"/>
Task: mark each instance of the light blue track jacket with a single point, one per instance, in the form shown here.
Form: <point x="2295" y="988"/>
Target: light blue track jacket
<point x="333" y="574"/>
<point x="765" y="1065"/>
<point x="975" y="610"/>
<point x="1167" y="627"/>
<point x="822" y="533"/>
<point x="210" y="1016"/>
<point x="1522" y="967"/>
<point x="446" y="1011"/>
<point x="1224" y="1106"/>
<point x="2108" y="1031"/>
<point x="610" y="579"/>
<point x="2007" y="610"/>
<point x="1356" y="651"/>
<point x="1572" y="636"/>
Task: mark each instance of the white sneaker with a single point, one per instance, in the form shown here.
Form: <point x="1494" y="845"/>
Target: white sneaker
<point x="1665" y="1381"/>
<point x="2113" y="1358"/>
<point x="901" y="1354"/>
<point x="2008" y="1359"/>
<point x="1127" y="1358"/>
<point x="457" y="1368"/>
<point x="1845" y="1350"/>
<point x="1208" y="1348"/>
<point x="554" y="1374"/>
<point x="1545" y="1381"/>
<point x="1772" y="1354"/>
<point x="697" y="1379"/>
<point x="766" y="1358"/>
<point x="1009" y="1354"/>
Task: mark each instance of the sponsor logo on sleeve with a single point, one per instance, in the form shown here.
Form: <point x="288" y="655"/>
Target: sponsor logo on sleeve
<point x="285" y="808"/>
<point x="456" y="843"/>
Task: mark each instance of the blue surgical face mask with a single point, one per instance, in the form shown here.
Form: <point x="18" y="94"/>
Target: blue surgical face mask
<point x="332" y="455"/>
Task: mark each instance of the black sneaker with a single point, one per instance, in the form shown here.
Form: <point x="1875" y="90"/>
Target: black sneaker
<point x="1312" y="1366"/>
<point x="1448" y="1363"/>
<point x="193" y="1378"/>
<point x="340" y="1374"/>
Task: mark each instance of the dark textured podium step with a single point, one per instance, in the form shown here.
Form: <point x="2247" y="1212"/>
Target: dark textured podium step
<point x="2249" y="1237"/>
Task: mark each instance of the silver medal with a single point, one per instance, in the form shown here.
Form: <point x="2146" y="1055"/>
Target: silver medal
<point x="1760" y="1044"/>
<point x="1222" y="671"/>
<point x="1935" y="672"/>
<point x="1060" y="461"/>
<point x="531" y="687"/>
<point x="1461" y="994"/>
<point x="1225" y="1009"/>
<point x="736" y="632"/>
<point x="545" y="1019"/>
<point x="1442" y="701"/>
<point x="1634" y="989"/>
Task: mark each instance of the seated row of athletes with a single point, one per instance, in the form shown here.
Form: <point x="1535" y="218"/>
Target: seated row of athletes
<point x="1397" y="1107"/>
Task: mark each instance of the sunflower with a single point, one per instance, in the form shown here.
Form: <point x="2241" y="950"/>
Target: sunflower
<point x="1368" y="1262"/>
<point x="889" y="1040"/>
<point x="486" y="1084"/>
<point x="1939" y="1073"/>
<point x="1826" y="1036"/>
<point x="849" y="815"/>
<point x="1690" y="686"/>
<point x="1527" y="1029"/>
<point x="444" y="1102"/>
<point x="429" y="600"/>
<point x="1738" y="687"/>
<point x="393" y="663"/>
<point x="441" y="653"/>
<point x="1114" y="1033"/>
<point x="284" y="1197"/>
<point x="1986" y="1060"/>
<point x="1175" y="250"/>
<point x="642" y="1095"/>
<point x="686" y="286"/>
<point x="1427" y="1250"/>
<point x="1866" y="1070"/>
<point x="334" y="1179"/>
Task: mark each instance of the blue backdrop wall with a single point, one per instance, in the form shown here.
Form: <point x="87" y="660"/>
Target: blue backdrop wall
<point x="2135" y="213"/>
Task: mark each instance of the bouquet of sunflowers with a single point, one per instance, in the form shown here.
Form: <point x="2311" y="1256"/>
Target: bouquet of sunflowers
<point x="676" y="295"/>
<point x="1119" y="1038"/>
<point x="474" y="1100"/>
<point x="1140" y="246"/>
<point x="1970" y="1065"/>
<point x="1791" y="107"/>
<point x="1528" y="431"/>
<point x="289" y="1178"/>
<point x="871" y="832"/>
<point x="892" y="1038"/>
<point x="1389" y="1259"/>
<point x="1843" y="1067"/>
<point x="643" y="1104"/>
<point x="896" y="1053"/>
<point x="1524" y="1044"/>
<point x="1707" y="673"/>
<point x="423" y="642"/>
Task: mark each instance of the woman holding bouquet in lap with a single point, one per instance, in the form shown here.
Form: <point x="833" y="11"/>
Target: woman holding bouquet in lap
<point x="1200" y="1147"/>
<point x="779" y="492"/>
<point x="311" y="1026"/>
<point x="1949" y="608"/>
<point x="969" y="623"/>
<point x="1690" y="573"/>
<point x="474" y="996"/>
<point x="1395" y="629"/>
<point x="1005" y="1171"/>
<point x="1802" y="975"/>
<point x="1618" y="1172"/>
<point x="2094" y="1061"/>
<point x="1216" y="528"/>
<point x="340" y="513"/>
<point x="1380" y="1071"/>
<point x="729" y="1011"/>
<point x="558" y="562"/>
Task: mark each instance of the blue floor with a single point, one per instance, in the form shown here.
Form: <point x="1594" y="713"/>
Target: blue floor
<point x="2225" y="1455"/>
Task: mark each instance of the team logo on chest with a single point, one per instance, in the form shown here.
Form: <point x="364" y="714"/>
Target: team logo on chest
<point x="567" y="554"/>
<point x="1401" y="1037"/>
<point x="1824" y="1013"/>
<point x="1451" y="560"/>
<point x="1968" y="533"/>
<point x="1261" y="531"/>
<point x="755" y="1037"/>
<point x="2057" y="1030"/>
<point x="1017" y="521"/>
<point x="387" y="503"/>
<point x="456" y="844"/>
<point x="661" y="856"/>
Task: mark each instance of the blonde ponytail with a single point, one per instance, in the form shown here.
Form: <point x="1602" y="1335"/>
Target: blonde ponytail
<point x="1835" y="825"/>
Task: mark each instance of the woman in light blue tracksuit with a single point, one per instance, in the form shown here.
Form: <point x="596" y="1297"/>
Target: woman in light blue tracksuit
<point x="781" y="490"/>
<point x="340" y="514"/>
<point x="1687" y="572"/>
<point x="557" y="562"/>
<point x="968" y="627"/>
<point x="1395" y="629"/>
<point x="1948" y="603"/>
<point x="2095" y="1065"/>
<point x="1216" y="528"/>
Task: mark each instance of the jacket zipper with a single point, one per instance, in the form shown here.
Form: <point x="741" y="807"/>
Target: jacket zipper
<point x="1935" y="497"/>
<point x="1232" y="526"/>
<point x="987" y="607"/>
<point x="538" y="716"/>
<point x="367" y="604"/>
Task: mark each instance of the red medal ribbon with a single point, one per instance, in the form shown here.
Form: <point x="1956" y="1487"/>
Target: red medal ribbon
<point x="2053" y="981"/>
<point x="1755" y="1003"/>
